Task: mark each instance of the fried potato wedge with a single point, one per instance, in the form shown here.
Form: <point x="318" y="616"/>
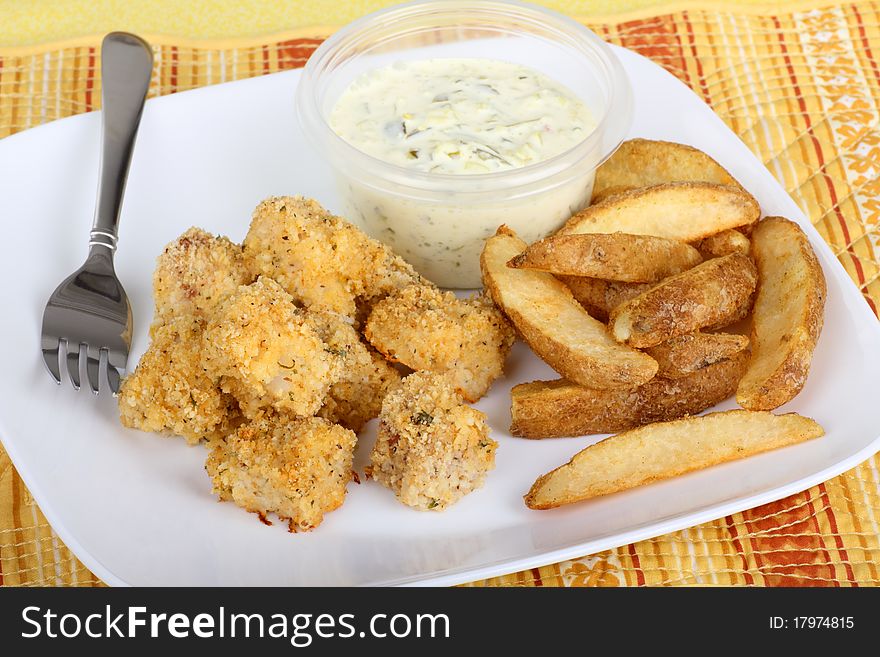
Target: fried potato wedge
<point x="708" y="294"/>
<point x="644" y="162"/>
<point x="552" y="409"/>
<point x="600" y="297"/>
<point x="668" y="449"/>
<point x="557" y="328"/>
<point x="688" y="353"/>
<point x="787" y="316"/>
<point x="723" y="243"/>
<point x="609" y="256"/>
<point x="684" y="211"/>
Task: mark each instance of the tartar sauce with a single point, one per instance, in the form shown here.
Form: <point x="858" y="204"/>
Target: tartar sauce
<point x="460" y="116"/>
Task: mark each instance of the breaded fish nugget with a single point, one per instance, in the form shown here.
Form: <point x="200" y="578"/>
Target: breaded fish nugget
<point x="366" y="376"/>
<point x="297" y="468"/>
<point x="267" y="352"/>
<point x="171" y="392"/>
<point x="195" y="273"/>
<point x="431" y="450"/>
<point x="322" y="260"/>
<point x="427" y="329"/>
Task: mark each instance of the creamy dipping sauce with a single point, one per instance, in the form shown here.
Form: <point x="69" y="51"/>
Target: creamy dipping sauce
<point x="460" y="116"/>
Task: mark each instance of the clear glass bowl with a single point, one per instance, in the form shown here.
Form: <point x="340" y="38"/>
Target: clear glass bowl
<point x="439" y="222"/>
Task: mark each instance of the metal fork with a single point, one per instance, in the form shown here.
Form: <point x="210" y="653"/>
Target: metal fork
<point x="87" y="321"/>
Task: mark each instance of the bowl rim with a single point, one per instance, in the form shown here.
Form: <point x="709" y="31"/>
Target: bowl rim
<point x="319" y="131"/>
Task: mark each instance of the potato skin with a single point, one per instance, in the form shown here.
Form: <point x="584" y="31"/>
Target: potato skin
<point x="684" y="211"/>
<point x="553" y="409"/>
<point x="609" y="256"/>
<point x="723" y="243"/>
<point x="599" y="297"/>
<point x="709" y="294"/>
<point x="556" y="327"/>
<point x="665" y="450"/>
<point x="642" y="162"/>
<point x="788" y="315"/>
<point x="694" y="351"/>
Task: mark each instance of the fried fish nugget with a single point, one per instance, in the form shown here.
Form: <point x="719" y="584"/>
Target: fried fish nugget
<point x="688" y="353"/>
<point x="366" y="376"/>
<point x="195" y="273"/>
<point x="297" y="468"/>
<point x="431" y="450"/>
<point x="268" y="354"/>
<point x="357" y="399"/>
<point x="708" y="294"/>
<point x="552" y="409"/>
<point x="323" y="261"/>
<point x="171" y="392"/>
<point x="426" y="329"/>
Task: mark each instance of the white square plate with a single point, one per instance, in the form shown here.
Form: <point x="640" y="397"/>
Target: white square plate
<point x="137" y="508"/>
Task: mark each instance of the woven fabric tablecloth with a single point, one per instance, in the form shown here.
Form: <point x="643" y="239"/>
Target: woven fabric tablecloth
<point x="801" y="87"/>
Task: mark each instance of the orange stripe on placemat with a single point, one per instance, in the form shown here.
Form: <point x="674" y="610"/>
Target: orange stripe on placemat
<point x="832" y="521"/>
<point x="266" y="67"/>
<point x="294" y="53"/>
<point x="90" y="80"/>
<point x="652" y="40"/>
<point x="536" y="573"/>
<point x="740" y="550"/>
<point x="797" y="558"/>
<point x="15" y="87"/>
<point x="172" y="81"/>
<point x="817" y="146"/>
<point x="637" y="565"/>
<point x="863" y="35"/>
<point x="691" y="40"/>
<point x="18" y="545"/>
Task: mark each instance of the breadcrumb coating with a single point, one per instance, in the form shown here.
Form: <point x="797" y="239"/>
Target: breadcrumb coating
<point x="366" y="378"/>
<point x="297" y="468"/>
<point x="195" y="273"/>
<point x="427" y="329"/>
<point x="268" y="354"/>
<point x="171" y="390"/>
<point x="357" y="399"/>
<point x="431" y="450"/>
<point x="322" y="260"/>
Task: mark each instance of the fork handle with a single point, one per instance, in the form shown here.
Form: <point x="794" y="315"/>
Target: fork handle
<point x="126" y="69"/>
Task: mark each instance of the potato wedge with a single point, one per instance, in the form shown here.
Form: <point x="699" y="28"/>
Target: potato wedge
<point x="688" y="353"/>
<point x="667" y="449"/>
<point x="557" y="328"/>
<point x="723" y="243"/>
<point x="787" y="316"/>
<point x="683" y="211"/>
<point x="551" y="409"/>
<point x="600" y="297"/>
<point x="645" y="162"/>
<point x="609" y="256"/>
<point x="708" y="294"/>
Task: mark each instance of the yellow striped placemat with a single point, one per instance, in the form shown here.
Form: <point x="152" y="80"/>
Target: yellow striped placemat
<point x="800" y="86"/>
